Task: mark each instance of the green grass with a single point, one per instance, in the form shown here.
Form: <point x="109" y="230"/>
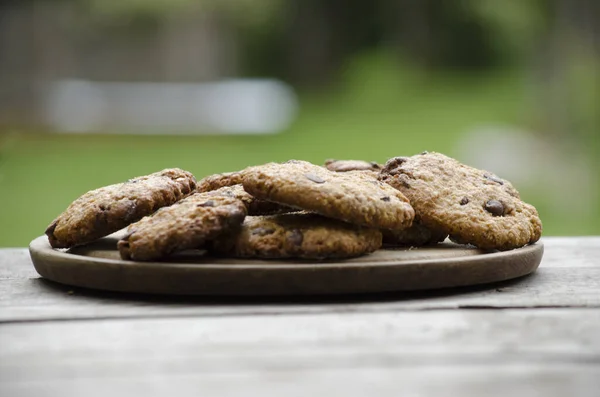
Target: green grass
<point x="375" y="113"/>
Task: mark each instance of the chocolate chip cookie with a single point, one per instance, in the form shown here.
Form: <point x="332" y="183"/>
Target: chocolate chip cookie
<point x="253" y="205"/>
<point x="415" y="236"/>
<point x="352" y="165"/>
<point x="234" y="180"/>
<point x="298" y="235"/>
<point x="471" y="205"/>
<point x="103" y="211"/>
<point x="217" y="181"/>
<point x="186" y="224"/>
<point x="350" y="198"/>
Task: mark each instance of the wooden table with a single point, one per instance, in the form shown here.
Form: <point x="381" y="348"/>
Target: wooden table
<point x="536" y="336"/>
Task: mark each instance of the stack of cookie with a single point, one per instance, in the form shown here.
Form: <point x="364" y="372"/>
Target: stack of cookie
<point x="300" y="210"/>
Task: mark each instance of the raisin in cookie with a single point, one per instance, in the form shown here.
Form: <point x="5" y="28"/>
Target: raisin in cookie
<point x="471" y="205"/>
<point x="298" y="235"/>
<point x="186" y="224"/>
<point x="103" y="211"/>
<point x="351" y="198"/>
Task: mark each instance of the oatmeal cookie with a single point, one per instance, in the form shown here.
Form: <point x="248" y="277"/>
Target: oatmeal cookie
<point x="253" y="205"/>
<point x="298" y="235"/>
<point x="217" y="181"/>
<point x="415" y="236"/>
<point x="471" y="205"/>
<point x="351" y="198"/>
<point x="186" y="224"/>
<point x="103" y="211"/>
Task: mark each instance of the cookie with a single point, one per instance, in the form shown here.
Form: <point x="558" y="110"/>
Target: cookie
<point x="253" y="205"/>
<point x="471" y="205"/>
<point x="415" y="236"/>
<point x="234" y="180"/>
<point x="103" y="211"/>
<point x="298" y="235"/>
<point x="352" y="165"/>
<point x="352" y="198"/>
<point x="187" y="224"/>
<point x="217" y="181"/>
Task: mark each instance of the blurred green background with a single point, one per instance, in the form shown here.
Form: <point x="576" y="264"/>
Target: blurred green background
<point x="511" y="86"/>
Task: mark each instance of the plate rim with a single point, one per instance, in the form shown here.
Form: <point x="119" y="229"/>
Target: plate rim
<point x="272" y="264"/>
<point x="272" y="278"/>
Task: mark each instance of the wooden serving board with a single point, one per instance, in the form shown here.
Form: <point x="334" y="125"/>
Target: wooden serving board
<point x="98" y="266"/>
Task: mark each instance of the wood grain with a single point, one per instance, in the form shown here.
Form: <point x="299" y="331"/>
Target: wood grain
<point x="534" y="336"/>
<point x="15" y="263"/>
<point x="36" y="299"/>
<point x="549" y="352"/>
<point x="492" y="380"/>
<point x="566" y="278"/>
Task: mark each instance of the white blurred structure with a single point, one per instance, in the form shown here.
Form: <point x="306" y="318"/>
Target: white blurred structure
<point x="565" y="178"/>
<point x="232" y="106"/>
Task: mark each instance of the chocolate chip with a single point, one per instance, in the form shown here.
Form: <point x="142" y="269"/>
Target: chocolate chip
<point x="261" y="231"/>
<point x="403" y="178"/>
<point x="101" y="222"/>
<point x="236" y="218"/>
<point x="208" y="203"/>
<point x="464" y="201"/>
<point x="392" y="166"/>
<point x="295" y="237"/>
<point x="398" y="160"/>
<point x="375" y="165"/>
<point x="131" y="212"/>
<point x="493" y="178"/>
<point x="494" y="207"/>
<point x="314" y="178"/>
<point x="386" y="198"/>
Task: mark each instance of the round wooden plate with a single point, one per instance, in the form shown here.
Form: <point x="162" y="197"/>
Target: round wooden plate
<point x="99" y="266"/>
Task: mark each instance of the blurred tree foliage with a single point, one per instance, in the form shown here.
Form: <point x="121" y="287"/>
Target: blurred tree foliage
<point x="309" y="42"/>
<point x="241" y="12"/>
<point x="276" y="34"/>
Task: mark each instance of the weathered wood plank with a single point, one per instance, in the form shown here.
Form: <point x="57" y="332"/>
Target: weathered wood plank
<point x="423" y="381"/>
<point x="549" y="350"/>
<point x="15" y="263"/>
<point x="571" y="252"/>
<point x="305" y="341"/>
<point x="569" y="276"/>
<point x="37" y="299"/>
